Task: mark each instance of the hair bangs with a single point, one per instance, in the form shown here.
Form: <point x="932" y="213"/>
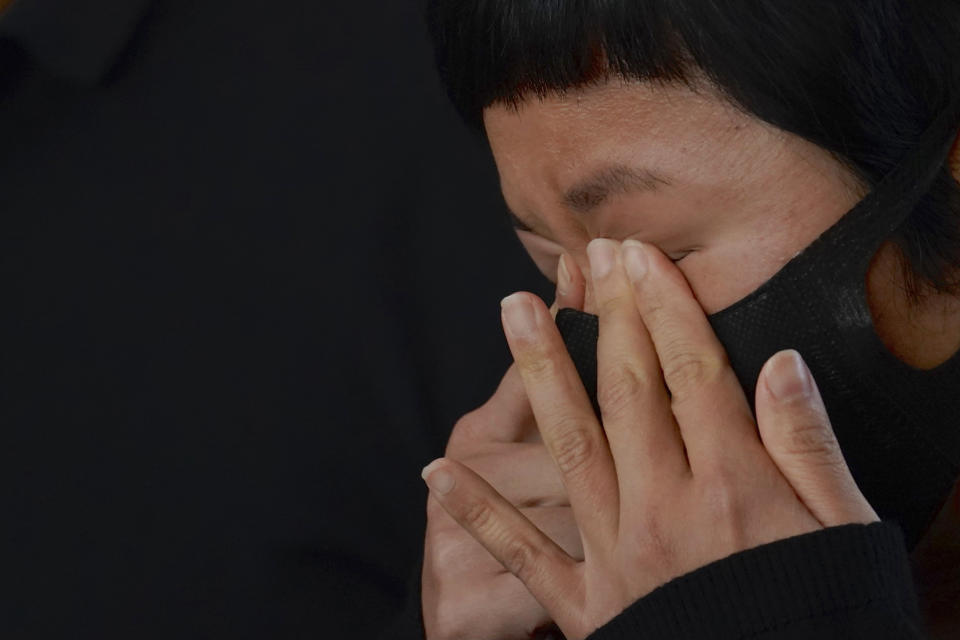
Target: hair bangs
<point x="515" y="48"/>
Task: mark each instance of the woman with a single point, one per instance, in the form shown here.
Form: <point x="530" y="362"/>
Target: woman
<point x="793" y="161"/>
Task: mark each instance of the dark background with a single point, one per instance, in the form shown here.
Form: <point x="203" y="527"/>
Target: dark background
<point x="251" y="264"/>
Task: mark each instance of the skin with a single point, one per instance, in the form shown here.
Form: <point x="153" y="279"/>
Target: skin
<point x="743" y="198"/>
<point x="466" y="592"/>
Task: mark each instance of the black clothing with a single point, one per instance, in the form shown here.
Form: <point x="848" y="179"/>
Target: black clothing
<point x="250" y="266"/>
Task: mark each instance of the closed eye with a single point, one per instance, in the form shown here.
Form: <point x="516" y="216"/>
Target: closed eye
<point x="675" y="256"/>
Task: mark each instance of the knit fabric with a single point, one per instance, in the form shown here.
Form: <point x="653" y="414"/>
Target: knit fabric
<point x="850" y="582"/>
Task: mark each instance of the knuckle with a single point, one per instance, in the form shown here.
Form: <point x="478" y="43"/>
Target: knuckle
<point x="720" y="491"/>
<point x="537" y="362"/>
<point x="478" y="516"/>
<point x="467" y="428"/>
<point x="657" y="550"/>
<point x="573" y="449"/>
<point x="687" y="368"/>
<point x="467" y="421"/>
<point x="619" y="391"/>
<point x="519" y="559"/>
<point x="652" y="306"/>
<point x="809" y="439"/>
<point x="724" y="504"/>
<point x="613" y="304"/>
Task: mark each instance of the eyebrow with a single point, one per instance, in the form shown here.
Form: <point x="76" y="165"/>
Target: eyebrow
<point x="613" y="180"/>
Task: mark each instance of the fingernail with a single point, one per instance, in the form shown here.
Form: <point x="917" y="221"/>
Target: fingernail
<point x="788" y="377"/>
<point x="438" y="480"/>
<point x="635" y="259"/>
<point x="563" y="276"/>
<point x="518" y="316"/>
<point x="602" y="254"/>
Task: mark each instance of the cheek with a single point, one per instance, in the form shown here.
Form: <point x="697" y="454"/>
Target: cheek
<point x="722" y="274"/>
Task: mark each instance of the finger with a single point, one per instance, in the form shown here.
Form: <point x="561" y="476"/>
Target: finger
<point x="454" y="553"/>
<point x="523" y="473"/>
<point x="559" y="525"/>
<point x="571" y="286"/>
<point x="706" y="398"/>
<point x="505" y="417"/>
<point x="797" y="434"/>
<point x="546" y="570"/>
<point x="637" y="419"/>
<point x="565" y="417"/>
<point x="571" y="291"/>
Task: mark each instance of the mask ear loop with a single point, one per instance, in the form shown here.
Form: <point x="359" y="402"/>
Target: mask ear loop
<point x="896" y="196"/>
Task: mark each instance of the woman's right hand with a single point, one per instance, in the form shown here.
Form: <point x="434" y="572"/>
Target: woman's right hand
<point x="466" y="593"/>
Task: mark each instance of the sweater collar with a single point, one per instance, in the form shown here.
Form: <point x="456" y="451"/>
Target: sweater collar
<point x="78" y="41"/>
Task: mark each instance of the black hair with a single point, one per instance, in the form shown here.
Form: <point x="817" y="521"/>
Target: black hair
<point x="859" y="78"/>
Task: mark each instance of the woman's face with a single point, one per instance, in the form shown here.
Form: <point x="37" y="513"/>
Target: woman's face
<point x="726" y="195"/>
<point x="729" y="197"/>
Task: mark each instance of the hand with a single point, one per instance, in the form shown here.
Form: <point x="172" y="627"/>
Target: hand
<point x="466" y="593"/>
<point x="677" y="476"/>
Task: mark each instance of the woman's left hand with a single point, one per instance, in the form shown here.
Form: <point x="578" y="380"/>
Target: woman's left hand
<point x="678" y="475"/>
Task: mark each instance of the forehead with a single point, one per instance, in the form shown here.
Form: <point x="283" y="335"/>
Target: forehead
<point x="614" y="97"/>
<point x="552" y="140"/>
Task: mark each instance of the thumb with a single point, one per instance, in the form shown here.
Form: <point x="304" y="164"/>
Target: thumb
<point x="797" y="434"/>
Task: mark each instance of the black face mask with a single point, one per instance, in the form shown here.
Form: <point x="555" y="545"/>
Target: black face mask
<point x="898" y="427"/>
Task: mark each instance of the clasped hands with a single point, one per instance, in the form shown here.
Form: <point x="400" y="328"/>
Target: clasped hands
<point x="677" y="474"/>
